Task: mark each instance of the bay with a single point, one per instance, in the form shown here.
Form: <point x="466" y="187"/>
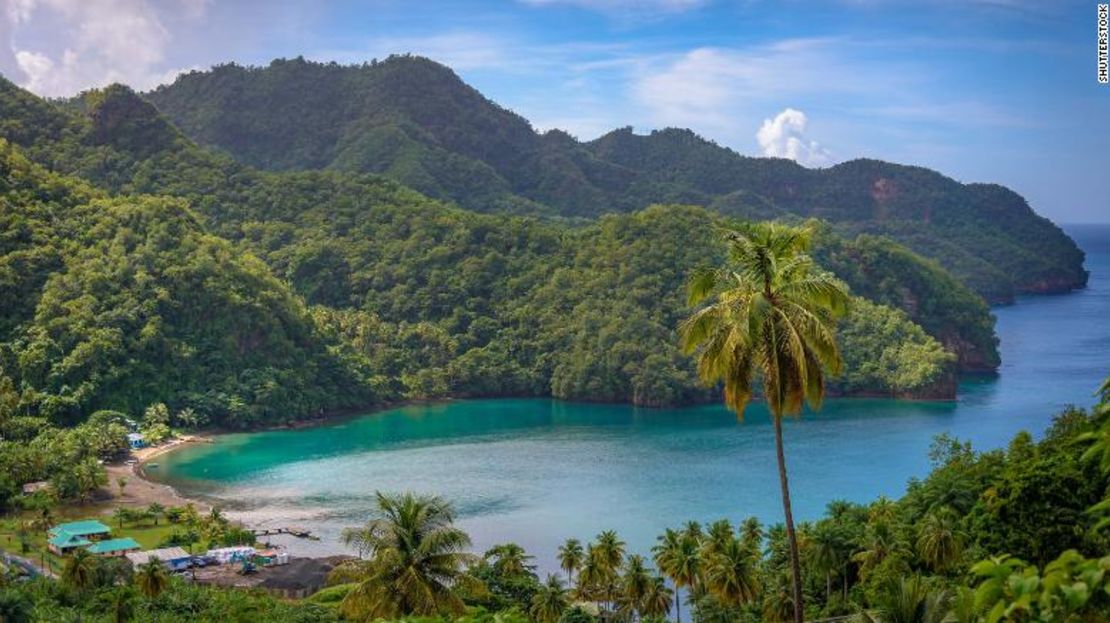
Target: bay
<point x="537" y="471"/>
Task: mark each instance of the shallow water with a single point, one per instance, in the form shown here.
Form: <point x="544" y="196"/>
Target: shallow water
<point x="539" y="471"/>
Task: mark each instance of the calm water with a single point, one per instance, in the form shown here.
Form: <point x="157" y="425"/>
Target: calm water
<point x="538" y="471"/>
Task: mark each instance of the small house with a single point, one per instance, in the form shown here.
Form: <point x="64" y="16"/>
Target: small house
<point x="136" y="440"/>
<point x="115" y="547"/>
<point x="174" y="558"/>
<point x="64" y="538"/>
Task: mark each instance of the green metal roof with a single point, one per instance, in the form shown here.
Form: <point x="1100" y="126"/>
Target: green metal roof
<point x="82" y="528"/>
<point x="114" y="545"/>
<point x="64" y="540"/>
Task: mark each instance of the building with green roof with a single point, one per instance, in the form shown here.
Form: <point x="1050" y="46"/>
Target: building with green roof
<point x="115" y="547"/>
<point x="67" y="537"/>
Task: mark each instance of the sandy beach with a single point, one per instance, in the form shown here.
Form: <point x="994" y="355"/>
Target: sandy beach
<point x="140" y="491"/>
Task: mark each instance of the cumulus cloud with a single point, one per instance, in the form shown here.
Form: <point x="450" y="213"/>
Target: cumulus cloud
<point x="63" y="46"/>
<point x="784" y="137"/>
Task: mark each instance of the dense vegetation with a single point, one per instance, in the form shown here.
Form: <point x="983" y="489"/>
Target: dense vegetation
<point x="427" y="300"/>
<point x="417" y="122"/>
<point x="129" y="301"/>
<point x="1005" y="535"/>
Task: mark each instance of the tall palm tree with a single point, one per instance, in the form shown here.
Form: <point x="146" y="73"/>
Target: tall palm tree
<point x="79" y="570"/>
<point x="769" y="314"/>
<point x="826" y="552"/>
<point x="731" y="574"/>
<point x="718" y="536"/>
<point x="657" y="599"/>
<point x="635" y="582"/>
<point x="570" y="558"/>
<point x="940" y="540"/>
<point x="152" y="578"/>
<point x="751" y="533"/>
<point x="550" y="601"/>
<point x="677" y="556"/>
<point x="693" y="530"/>
<point x="610" y="555"/>
<point x="592" y="577"/>
<point x="417" y="560"/>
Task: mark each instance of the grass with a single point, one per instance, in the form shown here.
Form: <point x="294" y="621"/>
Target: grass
<point x="148" y="535"/>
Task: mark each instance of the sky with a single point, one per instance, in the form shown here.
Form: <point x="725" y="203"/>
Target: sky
<point x="982" y="90"/>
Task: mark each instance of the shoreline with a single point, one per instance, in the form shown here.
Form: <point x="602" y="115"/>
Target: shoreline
<point x="149" y="489"/>
<point x="142" y="490"/>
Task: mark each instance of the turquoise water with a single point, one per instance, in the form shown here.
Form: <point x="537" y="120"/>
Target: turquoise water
<point x="539" y="471"/>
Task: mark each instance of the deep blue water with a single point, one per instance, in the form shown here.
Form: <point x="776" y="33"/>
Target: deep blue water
<point x="538" y="471"/>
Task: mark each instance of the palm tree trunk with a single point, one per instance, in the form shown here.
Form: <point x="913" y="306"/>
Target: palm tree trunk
<point x="677" y="603"/>
<point x="791" y="537"/>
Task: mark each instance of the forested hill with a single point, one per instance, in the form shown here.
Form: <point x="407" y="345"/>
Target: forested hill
<point x="373" y="292"/>
<point x="415" y="121"/>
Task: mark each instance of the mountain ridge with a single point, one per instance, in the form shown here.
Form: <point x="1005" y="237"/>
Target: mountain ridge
<point x="416" y="121"/>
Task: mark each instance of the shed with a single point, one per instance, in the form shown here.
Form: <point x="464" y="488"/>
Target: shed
<point x="136" y="440"/>
<point x="115" y="547"/>
<point x="174" y="558"/>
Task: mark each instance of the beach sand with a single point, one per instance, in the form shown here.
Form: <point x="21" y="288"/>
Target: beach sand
<point x="141" y="492"/>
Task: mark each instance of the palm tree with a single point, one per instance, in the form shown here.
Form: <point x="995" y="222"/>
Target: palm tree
<point x="358" y="538"/>
<point x="592" y="577"/>
<point x="417" y="560"/>
<point x="550" y="601"/>
<point x="880" y="541"/>
<point x="731" y="574"/>
<point x="693" y="530"/>
<point x="657" y="599"/>
<point x="79" y="570"/>
<point x="771" y="315"/>
<point x="751" y="533"/>
<point x="155" y="511"/>
<point x="677" y="555"/>
<point x="121" y="515"/>
<point x="509" y="559"/>
<point x="610" y="554"/>
<point x="152" y="578"/>
<point x="718" y="536"/>
<point x="940" y="541"/>
<point x="635" y="583"/>
<point x="827" y="552"/>
<point x="570" y="558"/>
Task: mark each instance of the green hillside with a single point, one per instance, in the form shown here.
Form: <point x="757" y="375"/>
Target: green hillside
<point x="413" y="298"/>
<point x="124" y="302"/>
<point x="417" y="122"/>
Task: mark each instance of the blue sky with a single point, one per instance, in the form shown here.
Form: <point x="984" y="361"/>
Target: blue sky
<point x="999" y="90"/>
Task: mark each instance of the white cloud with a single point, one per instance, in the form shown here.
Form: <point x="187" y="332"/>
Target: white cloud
<point x="784" y="137"/>
<point x="95" y="42"/>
